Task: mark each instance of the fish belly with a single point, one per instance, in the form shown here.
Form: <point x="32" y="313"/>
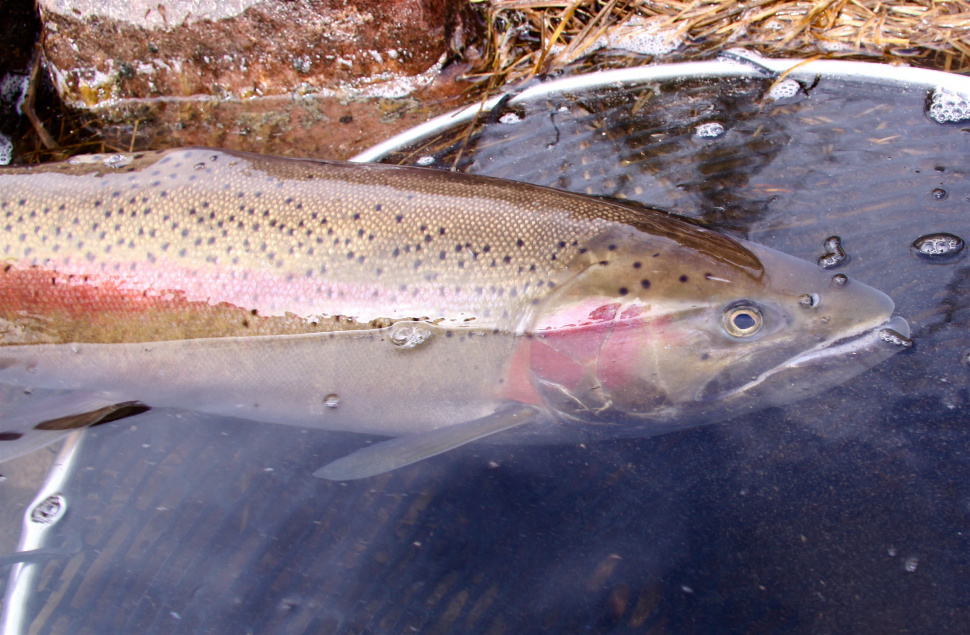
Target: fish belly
<point x="361" y="381"/>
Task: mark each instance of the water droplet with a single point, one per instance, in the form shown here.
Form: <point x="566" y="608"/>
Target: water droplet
<point x="940" y="247"/>
<point x="332" y="400"/>
<point x="895" y="338"/>
<point x="834" y="256"/>
<point x="117" y="160"/>
<point x="424" y="161"/>
<point x="709" y="130"/>
<point x="945" y="106"/>
<point x="911" y="564"/>
<point x="408" y="335"/>
<point x="840" y="279"/>
<point x="785" y="89"/>
<point x="939" y="194"/>
<point x="809" y="300"/>
<point x="47" y="510"/>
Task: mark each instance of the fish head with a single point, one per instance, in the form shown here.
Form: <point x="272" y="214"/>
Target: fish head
<point x="655" y="331"/>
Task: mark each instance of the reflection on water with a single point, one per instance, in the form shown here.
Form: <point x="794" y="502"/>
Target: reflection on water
<point x="848" y="512"/>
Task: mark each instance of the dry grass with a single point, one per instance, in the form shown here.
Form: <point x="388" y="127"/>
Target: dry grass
<point x="528" y="37"/>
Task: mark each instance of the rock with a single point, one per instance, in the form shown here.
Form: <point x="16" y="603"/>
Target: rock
<point x="105" y="50"/>
<point x="247" y="74"/>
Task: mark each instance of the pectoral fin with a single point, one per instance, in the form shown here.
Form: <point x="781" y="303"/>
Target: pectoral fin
<point x="390" y="455"/>
<point x="35" y="423"/>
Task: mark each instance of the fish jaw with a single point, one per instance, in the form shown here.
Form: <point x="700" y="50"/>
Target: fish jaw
<point x="635" y="359"/>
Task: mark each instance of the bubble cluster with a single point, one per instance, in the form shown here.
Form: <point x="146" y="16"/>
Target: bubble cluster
<point x="895" y="338"/>
<point x="709" y="130"/>
<point x="945" y="106"/>
<point x="785" y="89"/>
<point x="6" y="150"/>
<point x="835" y="255"/>
<point x="640" y="36"/>
<point x="13" y="89"/>
<point x="939" y="247"/>
<point x="510" y="118"/>
<point x="424" y="161"/>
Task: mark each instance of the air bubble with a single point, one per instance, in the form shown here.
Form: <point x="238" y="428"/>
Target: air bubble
<point x="116" y="160"/>
<point x="709" y="130"/>
<point x="409" y="335"/>
<point x="965" y="357"/>
<point x="911" y="564"/>
<point x="809" y="300"/>
<point x="199" y="166"/>
<point x="785" y="89"/>
<point x="332" y="400"/>
<point x="939" y="194"/>
<point x="47" y="511"/>
<point x="835" y="256"/>
<point x="422" y="161"/>
<point x="510" y="118"/>
<point x="944" y="106"/>
<point x="840" y="279"/>
<point x="941" y="247"/>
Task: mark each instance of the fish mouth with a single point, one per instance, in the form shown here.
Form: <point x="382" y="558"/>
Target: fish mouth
<point x="834" y="360"/>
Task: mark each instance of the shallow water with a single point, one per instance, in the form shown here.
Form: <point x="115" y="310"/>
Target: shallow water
<point x="845" y="513"/>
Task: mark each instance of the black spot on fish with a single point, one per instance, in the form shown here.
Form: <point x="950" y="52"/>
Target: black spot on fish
<point x="346" y="119"/>
<point x="350" y="255"/>
<point x="604" y="263"/>
<point x="399" y="217"/>
<point x="684" y="278"/>
<point x="417" y="263"/>
<point x="624" y="291"/>
<point x="507" y="259"/>
<point x="357" y="216"/>
<point x="441" y="231"/>
<point x="645" y="283"/>
<point x="520" y="243"/>
<point x="395" y="253"/>
<point x="612" y="247"/>
<point x="442" y="255"/>
<point x="637" y="265"/>
<point x="705" y="356"/>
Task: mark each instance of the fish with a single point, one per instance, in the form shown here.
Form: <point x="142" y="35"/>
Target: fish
<point x="432" y="307"/>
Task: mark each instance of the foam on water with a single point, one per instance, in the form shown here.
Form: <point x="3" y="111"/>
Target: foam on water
<point x="944" y="106"/>
<point x="6" y="150"/>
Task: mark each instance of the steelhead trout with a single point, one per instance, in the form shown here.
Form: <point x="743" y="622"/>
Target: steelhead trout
<point x="434" y="307"/>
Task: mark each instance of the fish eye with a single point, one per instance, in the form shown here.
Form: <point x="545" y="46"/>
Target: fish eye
<point x="742" y="320"/>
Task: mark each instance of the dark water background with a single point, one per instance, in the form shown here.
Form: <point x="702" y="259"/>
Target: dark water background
<point x="846" y="513"/>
